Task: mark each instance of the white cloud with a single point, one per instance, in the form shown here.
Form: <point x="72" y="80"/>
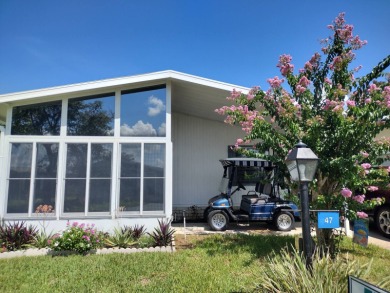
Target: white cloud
<point x="162" y="129"/>
<point x="156" y="106"/>
<point x="138" y="129"/>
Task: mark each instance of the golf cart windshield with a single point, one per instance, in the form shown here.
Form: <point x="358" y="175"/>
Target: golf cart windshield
<point x="244" y="171"/>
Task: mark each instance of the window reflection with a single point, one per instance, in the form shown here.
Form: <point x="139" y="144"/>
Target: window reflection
<point x="46" y="175"/>
<point x="37" y="119"/>
<point x="130" y="177"/>
<point x="91" y="116"/>
<point x="143" y="112"/>
<point x="19" y="178"/>
<point x="21" y="156"/>
<point x="46" y="161"/>
<point x="77" y="181"/>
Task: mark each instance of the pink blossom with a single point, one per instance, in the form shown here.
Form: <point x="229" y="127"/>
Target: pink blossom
<point x="234" y="95"/>
<point x="328" y="81"/>
<point x="300" y="89"/>
<point x="351" y="104"/>
<point x="308" y="66"/>
<point x="304" y="81"/>
<point x="356" y="69"/>
<point x="367" y="101"/>
<point x="362" y="215"/>
<point x="364" y="154"/>
<point x="359" y="198"/>
<point x="346" y="192"/>
<point x="372" y="188"/>
<point x="373" y="88"/>
<point x="366" y="166"/>
<point x="75" y="224"/>
<point x="238" y="142"/>
<point x="285" y="64"/>
<point x="275" y="82"/>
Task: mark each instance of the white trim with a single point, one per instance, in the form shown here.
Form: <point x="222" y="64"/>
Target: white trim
<point x="2" y="173"/>
<point x="32" y="178"/>
<point x="168" y="196"/>
<point x="118" y="82"/>
<point x="142" y="179"/>
<point x="114" y="179"/>
<point x="88" y="178"/>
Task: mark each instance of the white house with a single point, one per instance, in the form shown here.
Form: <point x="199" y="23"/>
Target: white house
<point x="120" y="151"/>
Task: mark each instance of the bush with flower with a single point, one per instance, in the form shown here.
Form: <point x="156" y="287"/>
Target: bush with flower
<point x="337" y="115"/>
<point x="77" y="237"/>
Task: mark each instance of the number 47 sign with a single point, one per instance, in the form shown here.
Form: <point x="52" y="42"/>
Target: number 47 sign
<point x="328" y="220"/>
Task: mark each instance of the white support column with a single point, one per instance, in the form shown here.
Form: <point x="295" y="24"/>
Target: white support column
<point x="2" y="173"/>
<point x="168" y="153"/>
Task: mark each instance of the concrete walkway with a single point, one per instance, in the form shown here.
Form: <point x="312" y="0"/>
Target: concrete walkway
<point x="262" y="228"/>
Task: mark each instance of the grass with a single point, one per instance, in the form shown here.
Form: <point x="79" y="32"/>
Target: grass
<point x="219" y="263"/>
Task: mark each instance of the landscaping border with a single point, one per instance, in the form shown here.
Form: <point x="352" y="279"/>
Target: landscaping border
<point x="48" y="251"/>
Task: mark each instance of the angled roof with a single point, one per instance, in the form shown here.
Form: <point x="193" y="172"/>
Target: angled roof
<point x="192" y="95"/>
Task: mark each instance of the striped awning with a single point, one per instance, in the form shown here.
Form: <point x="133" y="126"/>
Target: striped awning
<point x="246" y="162"/>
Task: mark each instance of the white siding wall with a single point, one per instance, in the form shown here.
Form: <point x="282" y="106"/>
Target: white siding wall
<point x="198" y="144"/>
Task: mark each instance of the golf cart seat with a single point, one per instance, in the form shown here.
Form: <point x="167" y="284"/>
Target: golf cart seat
<point x="261" y="193"/>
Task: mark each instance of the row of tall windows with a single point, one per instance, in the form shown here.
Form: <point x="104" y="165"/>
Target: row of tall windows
<point x="88" y="177"/>
<point x="88" y="181"/>
<point x="142" y="114"/>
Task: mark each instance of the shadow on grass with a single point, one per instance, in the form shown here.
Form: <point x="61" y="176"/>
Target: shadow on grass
<point x="257" y="245"/>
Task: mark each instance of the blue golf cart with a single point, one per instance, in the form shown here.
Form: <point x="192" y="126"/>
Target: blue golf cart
<point x="259" y="204"/>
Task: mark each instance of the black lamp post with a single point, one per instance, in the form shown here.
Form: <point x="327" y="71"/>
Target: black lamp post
<point x="302" y="164"/>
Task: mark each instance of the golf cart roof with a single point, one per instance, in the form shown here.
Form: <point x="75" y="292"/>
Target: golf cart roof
<point x="245" y="162"/>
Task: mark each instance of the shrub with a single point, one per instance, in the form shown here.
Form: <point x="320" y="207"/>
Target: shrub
<point x="41" y="240"/>
<point x="163" y="234"/>
<point x="16" y="236"/>
<point x="136" y="232"/>
<point x="80" y="238"/>
<point x="287" y="273"/>
<point x="121" y="238"/>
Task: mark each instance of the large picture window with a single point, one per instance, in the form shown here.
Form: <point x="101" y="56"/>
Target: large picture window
<point x="91" y="116"/>
<point x="143" y="112"/>
<point x="37" y="119"/>
<point x="89" y="155"/>
<point x="22" y="175"/>
<point x="88" y="178"/>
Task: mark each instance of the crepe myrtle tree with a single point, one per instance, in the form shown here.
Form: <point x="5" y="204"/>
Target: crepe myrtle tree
<point x="337" y="115"/>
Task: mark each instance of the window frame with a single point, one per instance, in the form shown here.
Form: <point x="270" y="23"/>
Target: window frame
<point x="63" y="139"/>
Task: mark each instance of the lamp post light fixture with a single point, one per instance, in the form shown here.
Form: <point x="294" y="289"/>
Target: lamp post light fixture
<point x="302" y="164"/>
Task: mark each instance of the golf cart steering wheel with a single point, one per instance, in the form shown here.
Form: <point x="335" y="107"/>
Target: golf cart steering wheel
<point x="240" y="185"/>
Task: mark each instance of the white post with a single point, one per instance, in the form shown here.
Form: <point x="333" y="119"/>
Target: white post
<point x="346" y="226"/>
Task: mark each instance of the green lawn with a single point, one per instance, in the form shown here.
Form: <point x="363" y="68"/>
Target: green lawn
<point x="217" y="263"/>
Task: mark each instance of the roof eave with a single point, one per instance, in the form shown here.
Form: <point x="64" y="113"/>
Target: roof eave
<point x="117" y="82"/>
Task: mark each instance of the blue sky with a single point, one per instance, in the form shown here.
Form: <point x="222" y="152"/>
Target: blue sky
<point x="46" y="43"/>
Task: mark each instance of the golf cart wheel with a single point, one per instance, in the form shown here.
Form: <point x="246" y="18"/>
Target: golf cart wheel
<point x="218" y="220"/>
<point x="284" y="221"/>
<point x="382" y="221"/>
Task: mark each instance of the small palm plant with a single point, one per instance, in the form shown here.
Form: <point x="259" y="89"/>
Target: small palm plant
<point x="121" y="238"/>
<point x="163" y="234"/>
